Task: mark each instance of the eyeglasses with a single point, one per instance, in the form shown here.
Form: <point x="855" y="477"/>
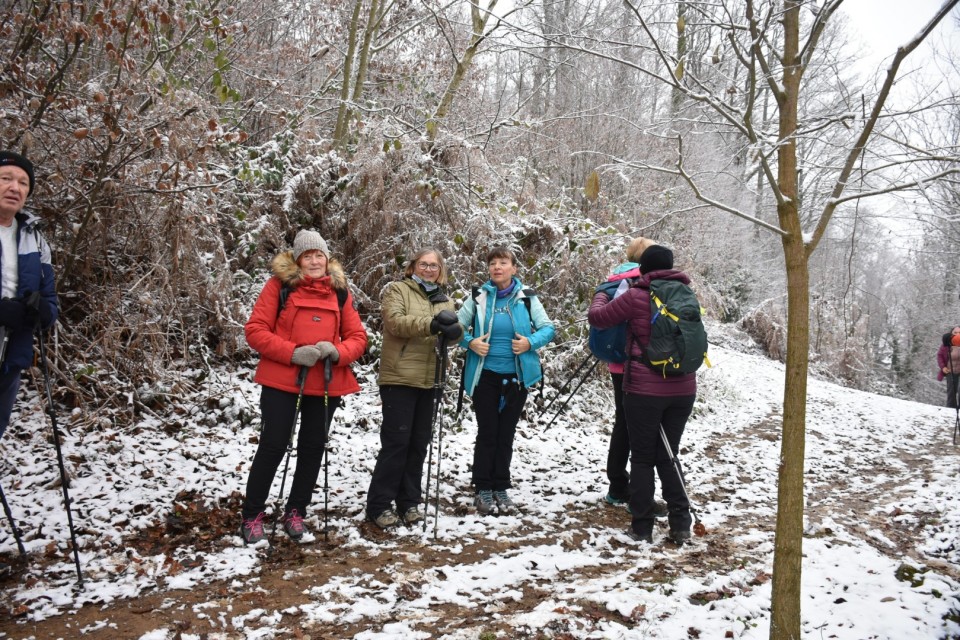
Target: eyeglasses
<point x="426" y="266"/>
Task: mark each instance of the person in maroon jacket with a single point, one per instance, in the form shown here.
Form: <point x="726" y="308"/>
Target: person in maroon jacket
<point x="948" y="365"/>
<point x="650" y="400"/>
<point x="307" y="327"/>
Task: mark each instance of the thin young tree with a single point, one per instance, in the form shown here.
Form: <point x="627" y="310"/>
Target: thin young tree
<point x="781" y="47"/>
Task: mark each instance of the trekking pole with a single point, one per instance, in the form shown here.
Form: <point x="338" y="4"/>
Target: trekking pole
<point x="56" y="443"/>
<point x="698" y="527"/>
<point x="564" y="385"/>
<point x="327" y="376"/>
<point x="13" y="525"/>
<point x="439" y="416"/>
<point x="301" y="382"/>
<point x="577" y="388"/>
<point x="441" y="343"/>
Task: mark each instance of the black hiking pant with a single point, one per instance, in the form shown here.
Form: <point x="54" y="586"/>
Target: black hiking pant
<point x="953" y="387"/>
<point x="498" y="402"/>
<point x="278" y="411"/>
<point x="404" y="438"/>
<point x="645" y="415"/>
<point x="619" y="454"/>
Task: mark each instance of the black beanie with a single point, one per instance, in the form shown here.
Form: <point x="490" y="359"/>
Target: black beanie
<point x="17" y="160"/>
<point x="656" y="258"/>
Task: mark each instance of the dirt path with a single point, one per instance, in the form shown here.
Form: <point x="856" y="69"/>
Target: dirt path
<point x="281" y="590"/>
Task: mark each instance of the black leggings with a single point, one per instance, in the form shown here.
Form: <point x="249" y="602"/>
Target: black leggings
<point x="404" y="439"/>
<point x="645" y="416"/>
<point x="619" y="453"/>
<point x="277" y="409"/>
<point x="498" y="402"/>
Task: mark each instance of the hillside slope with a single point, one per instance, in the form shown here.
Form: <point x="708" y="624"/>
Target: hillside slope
<point x="156" y="513"/>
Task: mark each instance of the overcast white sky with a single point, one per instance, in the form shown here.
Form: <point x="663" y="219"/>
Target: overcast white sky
<point x="883" y="25"/>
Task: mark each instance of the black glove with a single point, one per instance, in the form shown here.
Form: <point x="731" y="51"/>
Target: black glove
<point x="452" y="332"/>
<point x="443" y="319"/>
<point x="37" y="310"/>
<point x="13" y="313"/>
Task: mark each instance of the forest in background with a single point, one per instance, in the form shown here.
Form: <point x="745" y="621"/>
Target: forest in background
<point x="179" y="145"/>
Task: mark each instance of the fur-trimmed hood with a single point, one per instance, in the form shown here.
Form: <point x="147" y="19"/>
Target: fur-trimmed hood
<point x="286" y="268"/>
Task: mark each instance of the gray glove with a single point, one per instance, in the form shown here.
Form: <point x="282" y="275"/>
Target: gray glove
<point x="327" y="350"/>
<point x="306" y="356"/>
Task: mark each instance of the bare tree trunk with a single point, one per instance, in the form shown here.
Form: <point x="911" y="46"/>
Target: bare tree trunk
<point x="677" y="98"/>
<point x="479" y="19"/>
<point x="340" y="130"/>
<point x="372" y="22"/>
<point x="788" y="545"/>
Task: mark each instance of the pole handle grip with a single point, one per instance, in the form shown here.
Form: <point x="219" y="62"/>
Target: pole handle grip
<point x="302" y="377"/>
<point x="327" y="370"/>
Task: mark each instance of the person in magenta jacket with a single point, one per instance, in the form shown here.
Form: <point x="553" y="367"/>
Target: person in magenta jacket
<point x="650" y="401"/>
<point x="948" y="366"/>
<point x="309" y="327"/>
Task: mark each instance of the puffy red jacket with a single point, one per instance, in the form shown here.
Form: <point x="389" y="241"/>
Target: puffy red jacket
<point x="633" y="306"/>
<point x="311" y="314"/>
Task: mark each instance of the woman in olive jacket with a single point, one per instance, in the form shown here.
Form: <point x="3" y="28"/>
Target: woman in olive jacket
<point x="416" y="311"/>
<point x="303" y="317"/>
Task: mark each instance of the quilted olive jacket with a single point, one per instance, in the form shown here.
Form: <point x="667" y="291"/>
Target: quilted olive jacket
<point x="408" y="356"/>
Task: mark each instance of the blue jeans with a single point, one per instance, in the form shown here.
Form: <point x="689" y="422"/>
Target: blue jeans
<point x="9" y="386"/>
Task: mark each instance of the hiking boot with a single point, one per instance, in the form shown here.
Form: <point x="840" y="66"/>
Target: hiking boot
<point x="386" y="519"/>
<point x="252" y="529"/>
<point x="412" y="516"/>
<point x="636" y="537"/>
<point x="293" y="525"/>
<point x="503" y="501"/>
<point x="678" y="537"/>
<point x="660" y="509"/>
<point x="613" y="500"/>
<point x="483" y="501"/>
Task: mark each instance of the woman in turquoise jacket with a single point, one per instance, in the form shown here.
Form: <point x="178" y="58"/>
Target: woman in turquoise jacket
<point x="504" y="326"/>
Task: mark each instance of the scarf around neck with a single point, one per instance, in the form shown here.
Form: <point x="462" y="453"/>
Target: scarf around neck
<point x="432" y="290"/>
<point x="503" y="293"/>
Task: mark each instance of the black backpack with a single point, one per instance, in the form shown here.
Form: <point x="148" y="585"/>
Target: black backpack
<point x="678" y="340"/>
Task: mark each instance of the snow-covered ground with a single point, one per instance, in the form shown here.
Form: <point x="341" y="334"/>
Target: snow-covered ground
<point x="155" y="513"/>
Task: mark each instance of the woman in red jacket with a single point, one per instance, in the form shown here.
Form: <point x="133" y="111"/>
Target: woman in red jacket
<point x="304" y="316"/>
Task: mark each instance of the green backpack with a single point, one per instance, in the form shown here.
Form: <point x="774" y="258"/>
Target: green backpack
<point x="678" y="340"/>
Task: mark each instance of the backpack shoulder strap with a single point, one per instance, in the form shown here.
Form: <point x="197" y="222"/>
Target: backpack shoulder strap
<point x="285" y="290"/>
<point x="529" y="293"/>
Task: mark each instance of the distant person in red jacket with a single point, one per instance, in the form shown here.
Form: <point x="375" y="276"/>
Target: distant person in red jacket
<point x="312" y="325"/>
<point x="948" y="365"/>
<point x="650" y="401"/>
